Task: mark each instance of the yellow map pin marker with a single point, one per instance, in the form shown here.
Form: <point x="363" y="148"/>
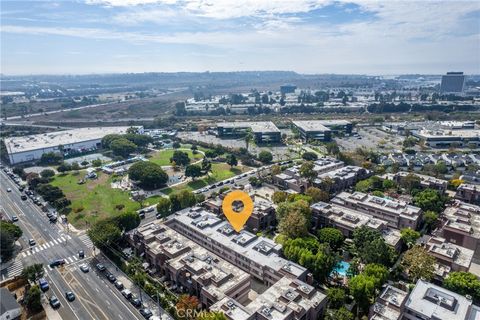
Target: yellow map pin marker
<point x="237" y="219"/>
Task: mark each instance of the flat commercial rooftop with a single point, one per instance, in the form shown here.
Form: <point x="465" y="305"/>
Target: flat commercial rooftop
<point x="53" y="139"/>
<point x="319" y="125"/>
<point x="256" y="126"/>
<point x="428" y="134"/>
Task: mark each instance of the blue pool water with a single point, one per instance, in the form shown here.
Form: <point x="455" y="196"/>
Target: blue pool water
<point x="341" y="268"/>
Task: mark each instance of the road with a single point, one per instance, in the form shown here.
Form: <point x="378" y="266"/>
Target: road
<point x="96" y="297"/>
<point x="83" y="107"/>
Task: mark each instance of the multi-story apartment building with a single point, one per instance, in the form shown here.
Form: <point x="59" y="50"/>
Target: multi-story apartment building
<point x="189" y="266"/>
<point x="449" y="256"/>
<point x="425" y="302"/>
<point x="469" y="193"/>
<point x="425" y="181"/>
<point x="258" y="256"/>
<point x="330" y="169"/>
<point x="431" y="302"/>
<point x="389" y="305"/>
<point x="397" y="214"/>
<point x="461" y="225"/>
<point x="287" y="299"/>
<point x="347" y="220"/>
<point x="342" y="178"/>
<point x="262" y="218"/>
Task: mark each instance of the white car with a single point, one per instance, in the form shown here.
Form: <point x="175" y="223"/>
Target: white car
<point x="9" y="190"/>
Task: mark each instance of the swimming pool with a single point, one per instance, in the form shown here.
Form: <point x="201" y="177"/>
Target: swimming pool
<point x="341" y="268"/>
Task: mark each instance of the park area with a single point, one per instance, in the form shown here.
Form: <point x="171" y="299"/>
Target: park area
<point x="95" y="198"/>
<point x="220" y="171"/>
<point x="162" y="157"/>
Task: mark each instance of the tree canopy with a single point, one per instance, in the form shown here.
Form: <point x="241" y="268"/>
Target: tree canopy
<point x="307" y="172"/>
<point x="122" y="147"/>
<point x="417" y="263"/>
<point x="149" y="175"/>
<point x="463" y="283"/>
<point x="164" y="206"/>
<point x="430" y="200"/>
<point x="231" y="160"/>
<point x="180" y="158"/>
<point x="193" y="171"/>
<point x="309" y="156"/>
<point x="409" y="236"/>
<point x="333" y="237"/>
<point x="265" y="156"/>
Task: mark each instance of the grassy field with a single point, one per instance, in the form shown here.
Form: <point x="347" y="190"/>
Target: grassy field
<point x="163" y="157"/>
<point x="220" y="171"/>
<point x="95" y="198"/>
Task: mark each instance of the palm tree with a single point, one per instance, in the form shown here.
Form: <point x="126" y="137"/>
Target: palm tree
<point x="248" y="138"/>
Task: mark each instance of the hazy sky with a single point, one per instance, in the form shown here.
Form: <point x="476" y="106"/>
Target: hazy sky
<point x="307" y="36"/>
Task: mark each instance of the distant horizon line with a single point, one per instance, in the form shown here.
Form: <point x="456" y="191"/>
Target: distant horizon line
<point x="238" y="71"/>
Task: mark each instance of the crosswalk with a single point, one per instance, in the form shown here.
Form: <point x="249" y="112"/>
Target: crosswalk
<point x="14" y="270"/>
<point x="86" y="240"/>
<point x="44" y="246"/>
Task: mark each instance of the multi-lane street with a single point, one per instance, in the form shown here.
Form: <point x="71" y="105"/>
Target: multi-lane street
<point x="96" y="297"/>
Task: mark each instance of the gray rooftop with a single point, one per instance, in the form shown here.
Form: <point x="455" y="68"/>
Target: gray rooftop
<point x="53" y="139"/>
<point x="7" y="301"/>
<point x="434" y="302"/>
<point x="259" y="250"/>
<point x="256" y="126"/>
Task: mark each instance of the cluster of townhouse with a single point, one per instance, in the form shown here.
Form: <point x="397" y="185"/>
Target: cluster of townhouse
<point x="267" y="132"/>
<point x="340" y="176"/>
<point x="425" y="181"/>
<point x="453" y="161"/>
<point x="262" y="218"/>
<point x="201" y="254"/>
<point x="425" y="301"/>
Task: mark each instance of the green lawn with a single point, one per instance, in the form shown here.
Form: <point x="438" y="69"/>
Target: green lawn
<point x="163" y="157"/>
<point x="220" y="171"/>
<point x="95" y="198"/>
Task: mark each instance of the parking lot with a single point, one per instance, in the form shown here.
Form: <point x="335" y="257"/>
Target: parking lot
<point x="279" y="152"/>
<point x="371" y="138"/>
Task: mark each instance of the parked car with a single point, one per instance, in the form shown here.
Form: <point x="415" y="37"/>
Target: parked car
<point x="43" y="284"/>
<point x="146" y="313"/>
<point x="137" y="303"/>
<point x="127" y="293"/>
<point x="100" y="267"/>
<point x="54" y="302"/>
<point x="111" y="278"/>
<point x="119" y="285"/>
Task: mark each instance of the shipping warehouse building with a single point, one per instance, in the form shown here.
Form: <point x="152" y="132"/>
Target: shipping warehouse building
<point x="263" y="131"/>
<point x="32" y="147"/>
